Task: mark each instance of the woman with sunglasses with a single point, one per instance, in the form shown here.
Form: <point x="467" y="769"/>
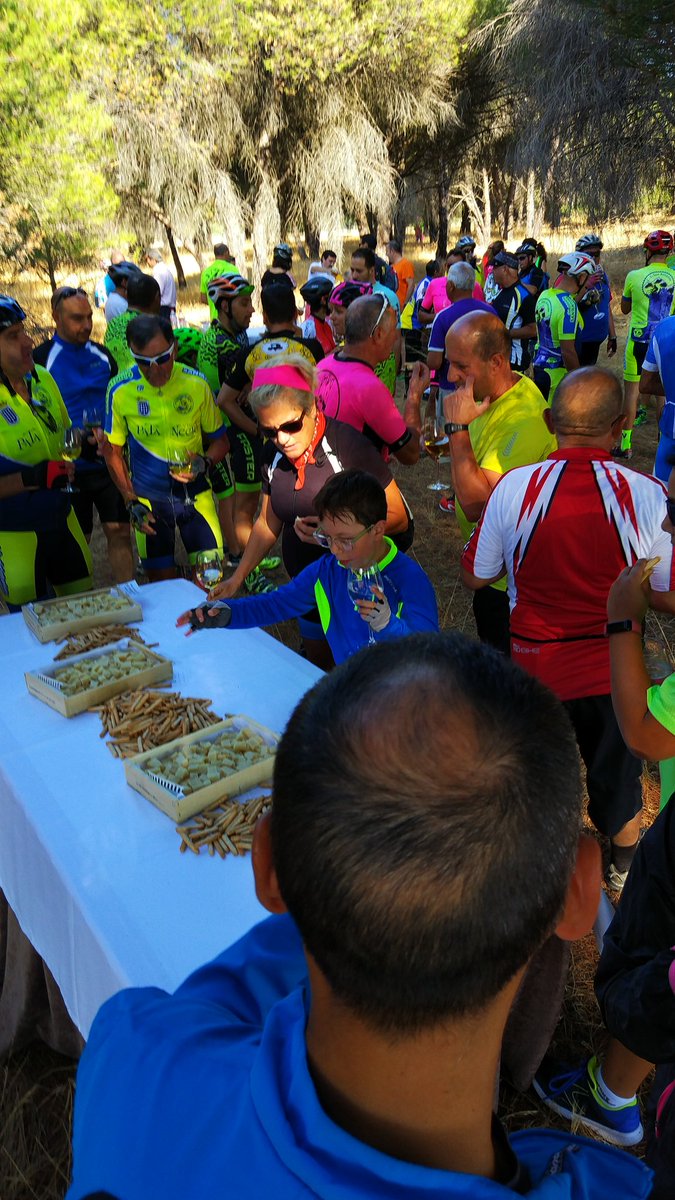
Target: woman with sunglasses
<point x="352" y="512"/>
<point x="304" y="449"/>
<point x="41" y="543"/>
<point x="164" y="413"/>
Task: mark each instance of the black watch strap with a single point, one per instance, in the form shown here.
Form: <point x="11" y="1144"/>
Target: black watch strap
<point x="626" y="626"/>
<point x="452" y="427"/>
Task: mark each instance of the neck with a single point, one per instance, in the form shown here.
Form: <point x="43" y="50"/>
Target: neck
<point x="504" y="384"/>
<point x="365" y="352"/>
<point x="426" y="1099"/>
<point x="281" y="327"/>
<point x="590" y="441"/>
<point x="18" y="383"/>
<point x="380" y="551"/>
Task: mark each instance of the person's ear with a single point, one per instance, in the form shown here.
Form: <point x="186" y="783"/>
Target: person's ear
<point x="266" y="883"/>
<point x="548" y="420"/>
<point x="583" y="892"/>
<point x="379" y="528"/>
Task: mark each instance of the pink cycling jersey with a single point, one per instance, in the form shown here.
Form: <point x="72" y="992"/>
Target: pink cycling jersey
<point x="350" y="391"/>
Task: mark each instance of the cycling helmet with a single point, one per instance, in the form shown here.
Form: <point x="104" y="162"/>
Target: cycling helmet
<point x="226" y="287"/>
<point x="10" y="313"/>
<point x="590" y="241"/>
<point x="659" y="242"/>
<point x="346" y="293"/>
<point x="284" y="254"/>
<point x="466" y="242"/>
<point x="316" y="289"/>
<point x="576" y="263"/>
<point x="188" y="341"/>
<point x="122" y="272"/>
<point x="527" y="247"/>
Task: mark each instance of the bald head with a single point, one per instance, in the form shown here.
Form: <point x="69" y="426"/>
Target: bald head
<point x="586" y="403"/>
<point x="477" y="347"/>
<point x="484" y="334"/>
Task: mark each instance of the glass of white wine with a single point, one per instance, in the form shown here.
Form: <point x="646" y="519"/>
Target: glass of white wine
<point x="360" y="586"/>
<point x="180" y="465"/>
<point x="436" y="444"/>
<point x="209" y="568"/>
<point x="71" y="448"/>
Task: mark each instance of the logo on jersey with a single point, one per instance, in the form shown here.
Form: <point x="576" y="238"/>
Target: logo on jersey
<point x="10" y="416"/>
<point x="183" y="404"/>
<point x="277" y="347"/>
<point x="143" y="408"/>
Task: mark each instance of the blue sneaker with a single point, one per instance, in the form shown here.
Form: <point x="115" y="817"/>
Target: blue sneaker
<point x="573" y="1093"/>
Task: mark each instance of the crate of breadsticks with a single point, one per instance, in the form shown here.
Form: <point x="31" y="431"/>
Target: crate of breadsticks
<point x="52" y="619"/>
<point x="187" y="775"/>
<point x="79" y="682"/>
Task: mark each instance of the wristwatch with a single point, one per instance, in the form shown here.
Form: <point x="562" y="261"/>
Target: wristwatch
<point x="626" y="626"/>
<point x="452" y="427"/>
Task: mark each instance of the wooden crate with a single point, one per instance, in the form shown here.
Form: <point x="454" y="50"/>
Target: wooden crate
<point x="47" y="630"/>
<point x="171" y="798"/>
<point x="43" y="684"/>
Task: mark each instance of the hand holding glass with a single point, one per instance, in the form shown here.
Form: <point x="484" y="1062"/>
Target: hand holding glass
<point x="180" y="468"/>
<point x="71" y="448"/>
<point x="209" y="568"/>
<point x="360" y="585"/>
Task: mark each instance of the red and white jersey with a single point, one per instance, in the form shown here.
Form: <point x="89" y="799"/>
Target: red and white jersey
<point x="565" y="529"/>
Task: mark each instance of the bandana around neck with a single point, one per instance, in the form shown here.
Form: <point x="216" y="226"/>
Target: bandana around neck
<point x="308" y="457"/>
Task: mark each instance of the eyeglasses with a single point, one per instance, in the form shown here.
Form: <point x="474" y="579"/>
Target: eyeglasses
<point x="342" y="543"/>
<point x="273" y="431"/>
<point x="670" y="509"/>
<point x="383" y="309"/>
<point x="523" y="257"/>
<point x="66" y="293"/>
<point x="158" y="360"/>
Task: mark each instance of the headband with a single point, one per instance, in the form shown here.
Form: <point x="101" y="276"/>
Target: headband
<point x="280" y="376"/>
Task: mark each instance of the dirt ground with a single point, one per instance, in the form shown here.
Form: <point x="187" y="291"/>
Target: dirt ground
<point x="36" y="1086"/>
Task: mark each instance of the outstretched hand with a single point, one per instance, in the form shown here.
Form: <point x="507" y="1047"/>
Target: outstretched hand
<point x="629" y="596"/>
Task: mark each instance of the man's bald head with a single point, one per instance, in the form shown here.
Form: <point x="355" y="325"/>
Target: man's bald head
<point x="586" y="403"/>
<point x="484" y="334"/>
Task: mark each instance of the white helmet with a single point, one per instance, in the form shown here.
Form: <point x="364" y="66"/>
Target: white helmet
<point x="576" y="263"/>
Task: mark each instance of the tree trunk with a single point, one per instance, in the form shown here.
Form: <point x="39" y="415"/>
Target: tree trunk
<point x="51" y="271"/>
<point x="371" y="218"/>
<point x="508" y="205"/>
<point x="529" y="214"/>
<point x="313" y="240"/>
<point x="442" y="241"/>
<point x="465" y="223"/>
<point x="180" y="273"/>
<point x="487" y="209"/>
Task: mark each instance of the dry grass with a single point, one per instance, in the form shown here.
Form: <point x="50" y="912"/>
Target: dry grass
<point x="37" y="1085"/>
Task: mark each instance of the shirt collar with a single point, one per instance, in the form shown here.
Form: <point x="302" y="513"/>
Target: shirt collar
<point x="580" y="454"/>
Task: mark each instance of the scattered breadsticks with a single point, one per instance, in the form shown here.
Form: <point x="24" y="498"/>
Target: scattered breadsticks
<point x="649" y="567"/>
<point x="92" y="639"/>
<point x="143" y="720"/>
<point x="224" y="828"/>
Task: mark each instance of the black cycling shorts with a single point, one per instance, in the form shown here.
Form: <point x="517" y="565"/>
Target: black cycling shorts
<point x="613" y="774"/>
<point x="97" y="491"/>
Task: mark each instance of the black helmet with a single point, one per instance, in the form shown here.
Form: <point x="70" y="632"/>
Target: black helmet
<point x="121" y="272"/>
<point x="10" y="313"/>
<point x="316" y="289"/>
<point x="284" y="255"/>
<point x="527" y="247"/>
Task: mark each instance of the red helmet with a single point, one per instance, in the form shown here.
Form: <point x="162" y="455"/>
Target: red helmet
<point x="659" y="242"/>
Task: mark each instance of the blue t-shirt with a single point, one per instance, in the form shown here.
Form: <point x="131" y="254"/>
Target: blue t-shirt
<point x="82" y="374"/>
<point x="442" y="322"/>
<point x="418" y="296"/>
<point x="380" y="290"/>
<point x="660" y="358"/>
<point x="596" y="316"/>
<point x="208" y="1093"/>
<point x="324" y="583"/>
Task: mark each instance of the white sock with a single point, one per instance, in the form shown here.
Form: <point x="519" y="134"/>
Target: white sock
<point x="610" y="1098"/>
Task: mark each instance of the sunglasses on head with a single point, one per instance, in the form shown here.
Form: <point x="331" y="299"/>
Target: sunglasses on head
<point x="158" y="360"/>
<point x="66" y="293"/>
<point x="273" y="431"/>
<point x="383" y="309"/>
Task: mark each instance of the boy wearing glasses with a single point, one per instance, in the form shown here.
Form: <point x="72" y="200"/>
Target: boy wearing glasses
<point x="163" y="412"/>
<point x="352" y="512"/>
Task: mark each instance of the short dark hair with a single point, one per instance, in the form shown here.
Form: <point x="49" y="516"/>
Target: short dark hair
<point x="395" y="245"/>
<point x="278" y="303"/>
<point x="352" y="493"/>
<point x="367" y="255"/>
<point x="433" y="268"/>
<point x="361" y="317"/>
<point x="326" y="253"/>
<point x="369" y="240"/>
<point x="144" y="328"/>
<point x="142" y="290"/>
<point x="221" y="250"/>
<point x="427" y="805"/>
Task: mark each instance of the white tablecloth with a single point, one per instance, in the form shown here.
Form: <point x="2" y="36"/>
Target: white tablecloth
<point x="91" y="869"/>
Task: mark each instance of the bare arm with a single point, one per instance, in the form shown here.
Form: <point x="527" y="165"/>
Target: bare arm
<point x="397" y="516"/>
<point x="228" y="400"/>
<point x="643" y="734"/>
<point x="626" y="304"/>
<point x="419" y="381"/>
<point x="264" y="534"/>
<point x="473" y="583"/>
<point x="426" y="316"/>
<point x="650" y="383"/>
<point x="473" y="485"/>
<point x="569" y="355"/>
<point x="119" y="474"/>
<point x="435" y="360"/>
<point x="525" y="331"/>
<point x="218" y="448"/>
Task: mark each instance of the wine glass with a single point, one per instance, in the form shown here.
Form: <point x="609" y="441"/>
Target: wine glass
<point x="71" y="448"/>
<point x="92" y="418"/>
<point x="360" y="584"/>
<point x="180" y="465"/>
<point x="209" y="568"/>
<point x="436" y="443"/>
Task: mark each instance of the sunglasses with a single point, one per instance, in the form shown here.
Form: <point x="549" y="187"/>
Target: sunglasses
<point x="66" y="293"/>
<point x="346" y="544"/>
<point x="670" y="509"/>
<point x="383" y="309"/>
<point x="158" y="360"/>
<point x="273" y="431"/>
